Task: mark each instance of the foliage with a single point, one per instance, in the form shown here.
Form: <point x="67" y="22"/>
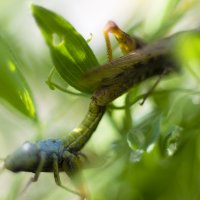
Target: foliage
<point x="71" y="55"/>
<point x="154" y="150"/>
<point x="13" y="86"/>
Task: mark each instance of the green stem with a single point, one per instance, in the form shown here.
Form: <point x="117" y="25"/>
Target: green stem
<point x="113" y="122"/>
<point x="52" y="85"/>
<point x="141" y="96"/>
<point x="65" y="90"/>
<point x="128" y="116"/>
<point x="194" y="74"/>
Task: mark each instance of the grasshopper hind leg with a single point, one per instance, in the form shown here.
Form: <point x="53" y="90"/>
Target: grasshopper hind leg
<point x="73" y="169"/>
<point x="57" y="176"/>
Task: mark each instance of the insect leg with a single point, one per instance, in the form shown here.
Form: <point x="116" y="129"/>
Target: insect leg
<point x="108" y="44"/>
<point x="52" y="85"/>
<point x="37" y="173"/>
<point x="57" y="176"/>
<point x="152" y="88"/>
<point x="126" y="42"/>
<point x="82" y="155"/>
<point x="48" y="81"/>
<point x="73" y="169"/>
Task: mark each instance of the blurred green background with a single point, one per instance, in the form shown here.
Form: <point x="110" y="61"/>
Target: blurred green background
<point x="137" y="153"/>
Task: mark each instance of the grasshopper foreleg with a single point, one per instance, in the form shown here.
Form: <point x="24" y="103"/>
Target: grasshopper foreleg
<point x="37" y="173"/>
<point x="126" y="42"/>
<point x="40" y="167"/>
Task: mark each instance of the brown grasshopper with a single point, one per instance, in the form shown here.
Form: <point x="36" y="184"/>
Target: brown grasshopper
<point x="140" y="62"/>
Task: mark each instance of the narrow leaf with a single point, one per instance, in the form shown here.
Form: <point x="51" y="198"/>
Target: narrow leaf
<point x="71" y="54"/>
<point x="13" y="87"/>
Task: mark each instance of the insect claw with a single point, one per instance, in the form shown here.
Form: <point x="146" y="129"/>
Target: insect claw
<point x="26" y="186"/>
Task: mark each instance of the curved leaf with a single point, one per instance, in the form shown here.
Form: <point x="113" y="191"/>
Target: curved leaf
<point x="13" y="87"/>
<point x="71" y="54"/>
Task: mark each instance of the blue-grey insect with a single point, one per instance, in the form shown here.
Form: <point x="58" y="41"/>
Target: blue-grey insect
<point x="56" y="155"/>
<point x="44" y="156"/>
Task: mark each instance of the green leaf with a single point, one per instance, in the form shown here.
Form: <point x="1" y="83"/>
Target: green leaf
<point x="165" y="16"/>
<point x="71" y="54"/>
<point x="13" y="87"/>
<point x="187" y="52"/>
<point x="144" y="136"/>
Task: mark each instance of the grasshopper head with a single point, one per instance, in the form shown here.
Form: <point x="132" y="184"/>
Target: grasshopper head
<point x="25" y="158"/>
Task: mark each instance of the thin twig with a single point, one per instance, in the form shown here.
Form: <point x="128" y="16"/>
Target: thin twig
<point x="66" y="91"/>
<point x="139" y="97"/>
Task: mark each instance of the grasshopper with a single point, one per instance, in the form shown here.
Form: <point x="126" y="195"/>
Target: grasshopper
<point x="140" y="62"/>
<point x="56" y="155"/>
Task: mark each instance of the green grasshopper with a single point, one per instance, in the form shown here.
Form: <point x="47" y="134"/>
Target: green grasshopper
<point x="110" y="80"/>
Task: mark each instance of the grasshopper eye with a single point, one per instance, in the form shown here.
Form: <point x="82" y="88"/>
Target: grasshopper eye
<point x="23" y="158"/>
<point x="26" y="146"/>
